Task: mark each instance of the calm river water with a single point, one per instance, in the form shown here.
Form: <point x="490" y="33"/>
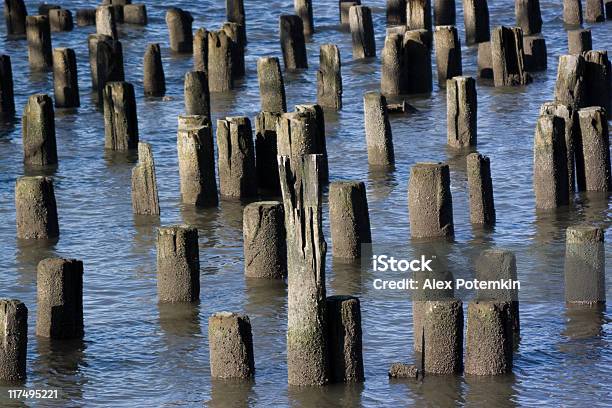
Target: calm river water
<point x="139" y="353"/>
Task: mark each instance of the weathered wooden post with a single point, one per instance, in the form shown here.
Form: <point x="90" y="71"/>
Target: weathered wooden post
<point x="572" y="12"/>
<point x="200" y="50"/>
<point x="15" y="14"/>
<point x="585" y="276"/>
<point x="507" y="57"/>
<point x="528" y="16"/>
<point x="59" y="285"/>
<point x="534" y="53"/>
<point x="307" y="348"/>
<point x="7" y="97"/>
<point x="179" y="28"/>
<point x="303" y="9"/>
<point x="396" y="12"/>
<point x="38" y="131"/>
<point x="197" y="94"/>
<point x="430" y="202"/>
<point x="344" y="339"/>
<point x="448" y="53"/>
<point x="489" y="338"/>
<point x="196" y="159"/>
<point x="444" y="12"/>
<point x="86" y="17"/>
<point x="105" y="21"/>
<point x="550" y="163"/>
<point x="362" y="32"/>
<point x="593" y="151"/>
<point x="579" y="41"/>
<point x="120" y="116"/>
<point x="154" y="81"/>
<point x="329" y="78"/>
<point x="345" y="6"/>
<point x="60" y="20"/>
<point x="461" y="112"/>
<point x="266" y="151"/>
<point x="220" y="67"/>
<point x="65" y="79"/>
<point x="236" y="49"/>
<point x="237" y="173"/>
<point x="597" y="80"/>
<point x="234" y="11"/>
<point x="39" y="43"/>
<point x="349" y="219"/>
<point x="570" y="88"/>
<point x="391" y="75"/>
<point x="482" y="206"/>
<point x="476" y="21"/>
<point x="231" y="346"/>
<point x="417" y="62"/>
<point x="271" y="85"/>
<point x="378" y="130"/>
<point x="13" y="340"/>
<point x="178" y="264"/>
<point x="572" y="132"/>
<point x="292" y="42"/>
<point x="594" y="12"/>
<point x="485" y="63"/>
<point x="105" y="61"/>
<point x="443" y="336"/>
<point x="36" y="210"/>
<point x="135" y="14"/>
<point x="418" y="14"/>
<point x="265" y="247"/>
<point x="145" y="200"/>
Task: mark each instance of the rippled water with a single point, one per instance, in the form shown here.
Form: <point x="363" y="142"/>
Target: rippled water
<point x="137" y="352"/>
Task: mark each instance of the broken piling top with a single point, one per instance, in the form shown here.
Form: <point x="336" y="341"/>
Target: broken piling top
<point x="231" y="346"/>
<point x="13" y="340"/>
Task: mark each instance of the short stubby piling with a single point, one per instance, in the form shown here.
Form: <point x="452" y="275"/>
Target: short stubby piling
<point x="154" y="80"/>
<point x="266" y="150"/>
<point x="61" y="20"/>
<point x="461" y="112"/>
<point x="220" y="63"/>
<point x="593" y="151"/>
<point x="65" y="78"/>
<point x="120" y="116"/>
<point x="476" y="21"/>
<point x="550" y="180"/>
<point x="7" y="96"/>
<point x="13" y="340"/>
<point x="265" y="250"/>
<point x="145" y="200"/>
<point x="444" y="12"/>
<point x="572" y="132"/>
<point x="572" y="12"/>
<point x="38" y="33"/>
<point x="293" y="44"/>
<point x="344" y="339"/>
<point x="442" y="336"/>
<point x="197" y="94"/>
<point x="585" y="266"/>
<point x="448" y="53"/>
<point x="579" y="41"/>
<point x="15" y="14"/>
<point x="38" y="130"/>
<point x="329" y="78"/>
<point x="231" y="346"/>
<point x="179" y="29"/>
<point x="36" y="210"/>
<point x="237" y="173"/>
<point x="178" y="264"/>
<point x="507" y="56"/>
<point x="379" y="139"/>
<point x="362" y="32"/>
<point x="417" y="62"/>
<point x="271" y="85"/>
<point x="535" y="53"/>
<point x="349" y="219"/>
<point x="528" y="16"/>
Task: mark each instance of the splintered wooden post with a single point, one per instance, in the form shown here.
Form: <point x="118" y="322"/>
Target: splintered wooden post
<point x="482" y="206"/>
<point x="59" y="284"/>
<point x="236" y="48"/>
<point x="303" y="9"/>
<point x="15" y="14"/>
<point x="418" y="14"/>
<point x="266" y="151"/>
<point x="13" y="340"/>
<point x="572" y="132"/>
<point x="585" y="272"/>
<point x="349" y="218"/>
<point x="476" y="21"/>
<point x="594" y="12"/>
<point x="271" y="86"/>
<point x="344" y="339"/>
<point x="65" y="78"/>
<point x="396" y="12"/>
<point x="443" y="336"/>
<point x="36" y="210"/>
<point x="135" y="14"/>
<point x="197" y="95"/>
<point x="307" y="348"/>
<point x="39" y="43"/>
<point x="265" y="247"/>
<point x="154" y="81"/>
<point x="528" y="16"/>
<point x="572" y="12"/>
<point x="105" y="61"/>
<point x="220" y="76"/>
<point x="593" y="151"/>
<point x="237" y="174"/>
<point x="550" y="163"/>
<point x="461" y="112"/>
<point x="444" y="12"/>
<point x="234" y="11"/>
<point x="60" y="20"/>
<point x="200" y="50"/>
<point x="430" y="202"/>
<point x="329" y="78"/>
<point x="579" y="41"/>
<point x="507" y="57"/>
<point x="38" y="130"/>
<point x="535" y="54"/>
<point x="7" y="96"/>
<point x="570" y="88"/>
<point x="120" y="116"/>
<point x="86" y="17"/>
<point x="196" y="161"/>
<point x="105" y="21"/>
<point x="417" y="62"/>
<point x="145" y="200"/>
<point x="448" y="53"/>
<point x="597" y="80"/>
<point x="179" y="29"/>
<point x="292" y="42"/>
<point x="178" y="264"/>
<point x="231" y="346"/>
<point x="391" y="74"/>
<point x="362" y="32"/>
<point x="378" y="130"/>
<point x="489" y="338"/>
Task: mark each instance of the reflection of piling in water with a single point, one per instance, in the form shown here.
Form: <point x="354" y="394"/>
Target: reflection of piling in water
<point x="271" y="85"/>
<point x="461" y="112"/>
<point x="584" y="322"/>
<point x="579" y="41"/>
<point x="144" y="183"/>
<point x="237" y="173"/>
<point x="154" y="81"/>
<point x="593" y="151"/>
<point x="293" y="44"/>
<point x="349" y="218"/>
<point x="329" y="77"/>
<point x="13" y="340"/>
<point x="36" y="211"/>
<point x="378" y="130"/>
<point x="482" y="205"/>
<point x="489" y="338"/>
<point x="231" y="346"/>
<point x="179" y="319"/>
<point x="344" y="338"/>
<point x="476" y="21"/>
<point x="60" y="298"/>
<point x="120" y="116"/>
<point x="265" y="251"/>
<point x="179" y="30"/>
<point x="38" y="130"/>
<point x="362" y="32"/>
<point x="307" y="351"/>
<point x="585" y="266"/>
<point x="178" y="264"/>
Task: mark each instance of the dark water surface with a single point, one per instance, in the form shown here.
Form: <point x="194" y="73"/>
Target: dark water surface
<point x="139" y="353"/>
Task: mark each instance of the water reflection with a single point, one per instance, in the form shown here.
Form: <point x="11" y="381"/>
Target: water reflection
<point x="179" y="319"/>
<point x="490" y="391"/>
<point x="584" y="322"/>
<point x="231" y="393"/>
<point x="333" y="395"/>
<point x="29" y="253"/>
<point x="437" y="391"/>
